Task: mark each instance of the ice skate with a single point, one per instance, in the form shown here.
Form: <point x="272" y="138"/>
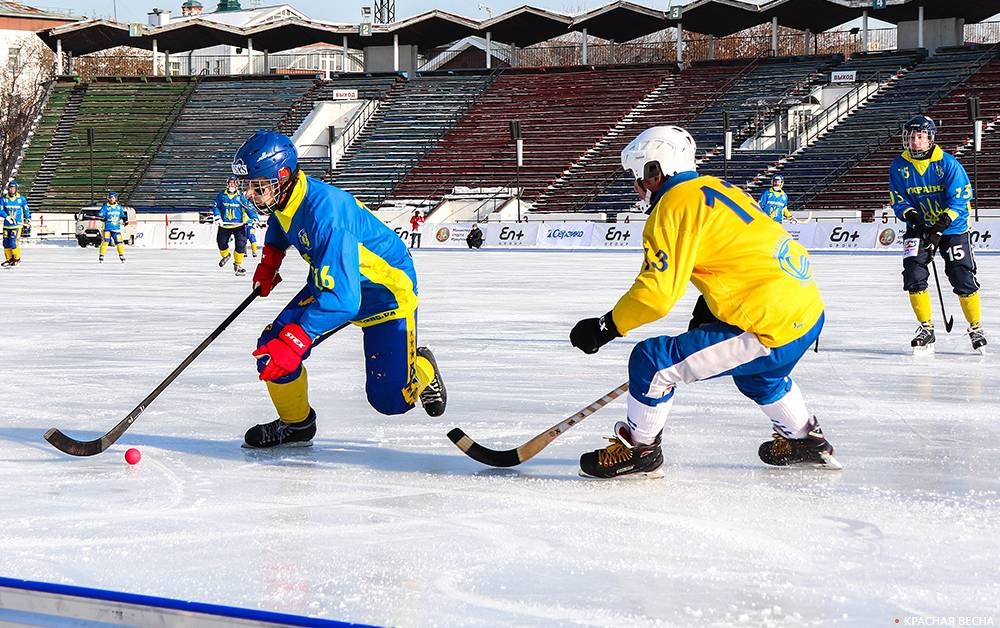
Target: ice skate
<point x="923" y="340"/>
<point x="100" y="259"/>
<point x="978" y="339"/>
<point x="239" y="271"/>
<point x="813" y="450"/>
<point x="434" y="398"/>
<point x="624" y="459"/>
<point x="225" y="258"/>
<point x="277" y="433"/>
<point x="121" y="258"/>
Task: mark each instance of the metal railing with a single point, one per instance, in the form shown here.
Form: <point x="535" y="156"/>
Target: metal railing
<point x="354" y="127"/>
<point x="833" y="114"/>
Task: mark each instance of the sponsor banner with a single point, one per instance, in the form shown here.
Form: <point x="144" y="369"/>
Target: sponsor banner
<point x="156" y="235"/>
<point x="507" y="235"/>
<point x="804" y="232"/>
<point x="617" y="235"/>
<point x="449" y="234"/>
<point x="565" y="235"/>
<point x="890" y="236"/>
<point x="983" y="235"/>
<point x="844" y="76"/>
<point x="845" y="236"/>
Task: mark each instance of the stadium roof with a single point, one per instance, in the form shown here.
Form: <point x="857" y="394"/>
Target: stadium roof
<point x="618" y="21"/>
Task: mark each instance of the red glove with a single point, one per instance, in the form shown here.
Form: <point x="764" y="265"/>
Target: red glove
<point x="284" y="352"/>
<point x="266" y="276"/>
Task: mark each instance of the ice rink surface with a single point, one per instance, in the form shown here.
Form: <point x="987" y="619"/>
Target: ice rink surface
<point x="384" y="521"/>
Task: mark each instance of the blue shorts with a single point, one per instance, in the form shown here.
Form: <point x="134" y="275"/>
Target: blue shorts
<point x="761" y="373"/>
<point x="390" y="350"/>
<point x="11" y="236"/>
<point x="113" y="237"/>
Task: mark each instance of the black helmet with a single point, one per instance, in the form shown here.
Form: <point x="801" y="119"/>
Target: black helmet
<point x="919" y="124"/>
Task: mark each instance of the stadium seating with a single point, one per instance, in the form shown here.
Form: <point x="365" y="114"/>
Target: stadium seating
<point x="865" y="185"/>
<point x="414" y="116"/>
<point x="48" y="137"/>
<point x="563" y="113"/>
<point x="739" y="91"/>
<point x="192" y="165"/>
<point x="369" y="86"/>
<point x="875" y="124"/>
<point x="130" y="117"/>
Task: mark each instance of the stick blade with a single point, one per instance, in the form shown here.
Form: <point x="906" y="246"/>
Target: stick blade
<point x="948" y="324"/>
<point x="489" y="457"/>
<point x="75" y="447"/>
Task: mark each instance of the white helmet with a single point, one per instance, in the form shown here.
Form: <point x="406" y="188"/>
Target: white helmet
<point x="670" y="147"/>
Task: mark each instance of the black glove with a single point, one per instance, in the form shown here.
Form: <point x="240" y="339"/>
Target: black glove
<point x="913" y="217"/>
<point x="701" y="315"/>
<point x="591" y="334"/>
<point x="932" y="236"/>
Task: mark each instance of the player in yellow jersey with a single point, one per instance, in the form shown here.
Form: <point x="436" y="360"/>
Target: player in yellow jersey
<point x="757" y="282"/>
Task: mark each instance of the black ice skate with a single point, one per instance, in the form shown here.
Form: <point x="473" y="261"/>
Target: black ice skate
<point x="923" y="340"/>
<point x="8" y="264"/>
<point x="812" y="450"/>
<point x="239" y="270"/>
<point x="225" y="258"/>
<point x="100" y="259"/>
<point x="978" y="339"/>
<point x="278" y="433"/>
<point x="121" y="258"/>
<point x="434" y="398"/>
<point x="623" y="459"/>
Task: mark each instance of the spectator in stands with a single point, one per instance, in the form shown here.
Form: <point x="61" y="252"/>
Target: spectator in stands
<point x="233" y="213"/>
<point x="774" y="201"/>
<point x="416" y="222"/>
<point x="931" y="191"/>
<point x="15" y="214"/>
<point x="475" y="237"/>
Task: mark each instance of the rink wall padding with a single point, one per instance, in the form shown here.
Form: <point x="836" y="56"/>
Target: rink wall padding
<point x="43" y="603"/>
<point x="815" y="236"/>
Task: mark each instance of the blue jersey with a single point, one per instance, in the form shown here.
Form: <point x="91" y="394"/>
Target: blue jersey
<point x="931" y="186"/>
<point x="113" y="215"/>
<point x="359" y="269"/>
<point x="14" y="209"/>
<point x="774" y="203"/>
<point x="234" y="209"/>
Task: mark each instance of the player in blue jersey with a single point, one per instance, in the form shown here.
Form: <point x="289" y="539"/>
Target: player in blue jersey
<point x="360" y="272"/>
<point x="233" y="213"/>
<point x="114" y="218"/>
<point x="761" y="310"/>
<point x="930" y="190"/>
<point x="251" y="228"/>
<point x="15" y="213"/>
<point x="774" y="201"/>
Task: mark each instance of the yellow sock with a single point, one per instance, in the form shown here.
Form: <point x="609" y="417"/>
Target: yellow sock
<point x="8" y="253"/>
<point x="424" y="371"/>
<point x="253" y="247"/>
<point x="291" y="400"/>
<point x="238" y="258"/>
<point x="16" y="253"/>
<point x="971" y="308"/>
<point x="921" y="304"/>
<point x="224" y="253"/>
<point x="121" y="248"/>
<point x="104" y="248"/>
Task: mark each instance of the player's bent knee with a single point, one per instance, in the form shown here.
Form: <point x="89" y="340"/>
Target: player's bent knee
<point x="388" y="403"/>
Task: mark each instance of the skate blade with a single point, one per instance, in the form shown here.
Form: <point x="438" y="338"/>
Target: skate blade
<point x="981" y="350"/>
<point x="655" y="474"/>
<point x="829" y="462"/>
<point x="925" y="351"/>
<point x="307" y="443"/>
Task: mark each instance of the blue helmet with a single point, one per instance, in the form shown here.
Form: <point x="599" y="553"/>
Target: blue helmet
<point x="265" y="155"/>
<point x="777" y="179"/>
<point x="12" y="184"/>
<point x="112" y="194"/>
<point x="918" y="124"/>
<point x="266" y="164"/>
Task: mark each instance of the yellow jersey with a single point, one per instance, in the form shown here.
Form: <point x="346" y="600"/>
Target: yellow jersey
<point x="753" y="274"/>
